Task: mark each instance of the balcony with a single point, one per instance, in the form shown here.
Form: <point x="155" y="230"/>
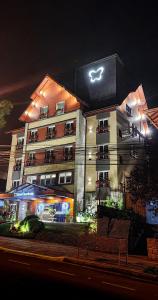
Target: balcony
<point x="17" y="167"/>
<point x="102" y="129"/>
<point x="30" y="162"/>
<point x="19" y="146"/>
<point x="49" y="160"/>
<point x="69" y="131"/>
<point x="103" y="183"/>
<point x="33" y="139"/>
<point x="68" y="157"/>
<point x="43" y="115"/>
<point x="50" y="135"/>
<point x="102" y="155"/>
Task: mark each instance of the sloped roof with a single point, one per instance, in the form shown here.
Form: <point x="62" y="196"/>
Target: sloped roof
<point x="152" y="115"/>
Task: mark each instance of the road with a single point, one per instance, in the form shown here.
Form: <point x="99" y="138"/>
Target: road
<point x="28" y="276"/>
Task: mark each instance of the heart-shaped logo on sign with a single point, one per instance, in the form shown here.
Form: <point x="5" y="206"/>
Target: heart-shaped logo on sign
<point x="96" y="74"/>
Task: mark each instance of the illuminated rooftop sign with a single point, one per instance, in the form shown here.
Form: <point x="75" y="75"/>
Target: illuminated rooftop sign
<point x="24" y="194"/>
<point x="96" y="75"/>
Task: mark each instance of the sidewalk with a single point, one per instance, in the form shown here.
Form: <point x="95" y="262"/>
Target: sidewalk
<point x="109" y="262"/>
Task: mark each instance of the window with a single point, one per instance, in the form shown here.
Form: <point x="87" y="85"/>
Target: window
<point x="18" y="164"/>
<point x="128" y="110"/>
<point x="51" y="131"/>
<point x="47" y="180"/>
<point x="65" y="177"/>
<point x="33" y="135"/>
<point x="103" y="175"/>
<point x="32" y="179"/>
<point x="102" y="126"/>
<point x="20" y="142"/>
<point x="120" y="133"/>
<point x="60" y="108"/>
<point x="103" y="152"/>
<point x="43" y="112"/>
<point x="31" y="155"/>
<point x="16" y="183"/>
<point x="68" y="152"/>
<point x="69" y="126"/>
<point x="31" y="159"/>
<point x="103" y="123"/>
<point x="49" y="155"/>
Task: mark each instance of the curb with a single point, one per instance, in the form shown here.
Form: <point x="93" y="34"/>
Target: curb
<point x="113" y="269"/>
<point x="78" y="261"/>
<point x="31" y="254"/>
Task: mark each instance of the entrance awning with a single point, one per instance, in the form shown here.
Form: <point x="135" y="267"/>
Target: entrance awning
<point x="28" y="191"/>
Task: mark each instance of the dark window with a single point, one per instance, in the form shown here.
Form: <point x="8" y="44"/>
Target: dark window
<point x="65" y="177"/>
<point x="103" y="123"/>
<point x="43" y="112"/>
<point x="49" y="155"/>
<point x="103" y="175"/>
<point x="103" y="152"/>
<point x="120" y="133"/>
<point x="68" y="153"/>
<point x="33" y="136"/>
<point x="51" y="131"/>
<point x="128" y="110"/>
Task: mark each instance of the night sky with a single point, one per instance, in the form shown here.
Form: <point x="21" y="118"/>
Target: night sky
<point x="53" y="37"/>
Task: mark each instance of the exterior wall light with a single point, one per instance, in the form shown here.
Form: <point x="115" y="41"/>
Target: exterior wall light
<point x="89" y="180"/>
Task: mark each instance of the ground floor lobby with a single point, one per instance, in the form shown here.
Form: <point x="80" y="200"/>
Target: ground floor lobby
<point x="30" y="199"/>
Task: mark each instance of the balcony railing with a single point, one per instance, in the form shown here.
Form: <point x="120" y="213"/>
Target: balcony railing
<point x="43" y="115"/>
<point x="33" y="139"/>
<point x="49" y="160"/>
<point x="102" y="155"/>
<point x="50" y="135"/>
<point x="102" y="129"/>
<point x="17" y="167"/>
<point x="19" y="146"/>
<point x="69" y="131"/>
<point x="30" y="162"/>
<point x="103" y="183"/>
<point x="68" y="157"/>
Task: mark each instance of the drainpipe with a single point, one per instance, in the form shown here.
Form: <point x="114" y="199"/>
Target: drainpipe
<point x="85" y="162"/>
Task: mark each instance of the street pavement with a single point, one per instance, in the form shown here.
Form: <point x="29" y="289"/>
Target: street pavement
<point x="60" y="252"/>
<point x="25" y="277"/>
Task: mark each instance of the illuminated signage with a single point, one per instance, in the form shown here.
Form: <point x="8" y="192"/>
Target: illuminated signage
<point x="24" y="194"/>
<point x="96" y="74"/>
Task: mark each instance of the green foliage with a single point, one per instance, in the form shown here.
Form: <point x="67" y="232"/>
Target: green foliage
<point x="29" y="226"/>
<point x="5" y="109"/>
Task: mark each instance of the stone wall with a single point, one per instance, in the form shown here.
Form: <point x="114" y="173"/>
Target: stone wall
<point x="152" y="246"/>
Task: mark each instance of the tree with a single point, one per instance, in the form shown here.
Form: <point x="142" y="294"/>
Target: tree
<point x="5" y="109"/>
<point x="143" y="180"/>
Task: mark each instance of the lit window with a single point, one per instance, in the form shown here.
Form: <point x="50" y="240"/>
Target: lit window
<point x="47" y="180"/>
<point x="60" y="108"/>
<point x="32" y="179"/>
<point x="65" y="177"/>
